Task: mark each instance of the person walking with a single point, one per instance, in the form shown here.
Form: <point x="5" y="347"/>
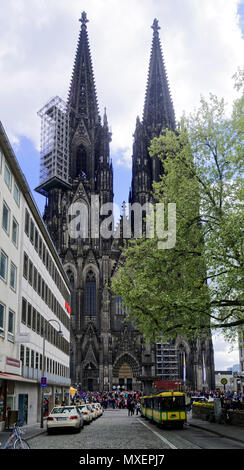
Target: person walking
<point x="138" y="408"/>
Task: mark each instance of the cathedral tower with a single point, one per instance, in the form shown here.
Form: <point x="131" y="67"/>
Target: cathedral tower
<point x="77" y="179"/>
<point x="188" y="360"/>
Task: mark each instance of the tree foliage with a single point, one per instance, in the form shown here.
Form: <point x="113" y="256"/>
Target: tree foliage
<point x="197" y="285"/>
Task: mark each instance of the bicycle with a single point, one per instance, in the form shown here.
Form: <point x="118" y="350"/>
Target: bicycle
<point x="18" y="443"/>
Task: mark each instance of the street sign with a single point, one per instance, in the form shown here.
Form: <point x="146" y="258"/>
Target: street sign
<point x="224" y="381"/>
<point x="43" y="381"/>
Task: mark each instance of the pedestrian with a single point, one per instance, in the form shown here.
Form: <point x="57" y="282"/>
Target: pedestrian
<point x="138" y="408"/>
<point x="129" y="406"/>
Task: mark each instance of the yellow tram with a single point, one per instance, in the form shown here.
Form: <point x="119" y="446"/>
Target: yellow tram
<point x="165" y="408"/>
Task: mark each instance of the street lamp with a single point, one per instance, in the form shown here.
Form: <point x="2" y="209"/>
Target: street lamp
<point x="60" y="333"/>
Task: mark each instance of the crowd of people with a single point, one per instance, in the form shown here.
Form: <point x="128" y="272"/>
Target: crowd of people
<point x="130" y="400"/>
<point x="229" y="399"/>
<point x="113" y="399"/>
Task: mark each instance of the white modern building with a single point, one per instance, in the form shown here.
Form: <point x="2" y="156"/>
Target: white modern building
<point x="34" y="301"/>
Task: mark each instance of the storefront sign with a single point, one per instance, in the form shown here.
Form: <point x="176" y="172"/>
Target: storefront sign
<point x="12" y="365"/>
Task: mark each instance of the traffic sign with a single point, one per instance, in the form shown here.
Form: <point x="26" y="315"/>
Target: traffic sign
<point x="44" y="381"/>
<point x="224" y="381"/>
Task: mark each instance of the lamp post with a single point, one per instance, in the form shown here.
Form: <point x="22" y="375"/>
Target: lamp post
<point x="60" y="333"/>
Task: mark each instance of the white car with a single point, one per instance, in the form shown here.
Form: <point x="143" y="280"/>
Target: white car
<point x="86" y="413"/>
<point x="64" y="417"/>
<point x="92" y="408"/>
<point x="99" y="409"/>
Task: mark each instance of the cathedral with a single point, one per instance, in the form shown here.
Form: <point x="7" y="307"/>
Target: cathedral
<point x="106" y="352"/>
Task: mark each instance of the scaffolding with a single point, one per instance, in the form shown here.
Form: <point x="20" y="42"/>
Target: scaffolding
<point x="167" y="361"/>
<point x="54" y="165"/>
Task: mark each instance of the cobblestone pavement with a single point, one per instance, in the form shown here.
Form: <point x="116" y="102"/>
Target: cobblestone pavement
<point x="116" y="430"/>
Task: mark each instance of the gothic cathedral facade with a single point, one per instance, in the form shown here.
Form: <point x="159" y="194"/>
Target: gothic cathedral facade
<point x="106" y="351"/>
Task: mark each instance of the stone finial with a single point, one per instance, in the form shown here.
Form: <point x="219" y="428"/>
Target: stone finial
<point x="83" y="19"/>
<point x="155" y="26"/>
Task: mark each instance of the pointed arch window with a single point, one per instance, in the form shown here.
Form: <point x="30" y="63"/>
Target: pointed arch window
<point x="81" y="162"/>
<point x="90" y="294"/>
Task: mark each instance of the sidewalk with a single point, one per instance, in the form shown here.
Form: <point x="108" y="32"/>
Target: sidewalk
<point x="235" y="433"/>
<point x="30" y="430"/>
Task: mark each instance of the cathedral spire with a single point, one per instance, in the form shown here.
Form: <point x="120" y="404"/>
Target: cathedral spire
<point x="158" y="107"/>
<point x="82" y="94"/>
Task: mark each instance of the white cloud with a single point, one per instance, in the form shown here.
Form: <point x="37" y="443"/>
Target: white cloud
<point x="202" y="46"/>
<point x="225" y="354"/>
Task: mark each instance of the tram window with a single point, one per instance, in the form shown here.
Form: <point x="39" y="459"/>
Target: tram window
<point x="172" y="403"/>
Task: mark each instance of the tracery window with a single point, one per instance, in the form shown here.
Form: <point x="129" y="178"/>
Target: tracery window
<point x="90" y="294"/>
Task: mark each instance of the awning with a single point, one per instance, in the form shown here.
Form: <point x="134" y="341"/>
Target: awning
<point x="17" y="378"/>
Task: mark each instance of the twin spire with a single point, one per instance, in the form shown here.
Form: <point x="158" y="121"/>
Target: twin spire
<point x="158" y="107"/>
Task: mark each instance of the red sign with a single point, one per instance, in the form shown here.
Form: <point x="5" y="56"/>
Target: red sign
<point x="167" y="384"/>
<point x="68" y="308"/>
<point x="12" y="362"/>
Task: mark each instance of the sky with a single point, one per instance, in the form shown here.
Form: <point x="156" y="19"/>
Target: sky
<point x="202" y="43"/>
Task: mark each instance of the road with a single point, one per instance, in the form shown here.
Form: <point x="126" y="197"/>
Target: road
<point x="116" y="430"/>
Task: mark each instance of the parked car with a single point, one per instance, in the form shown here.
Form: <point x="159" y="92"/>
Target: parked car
<point x="65" y="417"/>
<point x="99" y="409"/>
<point x="93" y="413"/>
<point x="86" y="413"/>
<point x="93" y="410"/>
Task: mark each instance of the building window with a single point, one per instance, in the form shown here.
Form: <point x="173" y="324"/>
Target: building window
<point x="34" y="319"/>
<point x="2" y="318"/>
<point x="22" y="353"/>
<point x="38" y="326"/>
<point x="90" y="294"/>
<point x="37" y="360"/>
<point x="16" y="193"/>
<point x="6" y="217"/>
<point x="13" y="276"/>
<point x="27" y="222"/>
<point x="3" y="266"/>
<point x="39" y="284"/>
<point x="32" y="231"/>
<point x="11" y="319"/>
<point x="35" y="278"/>
<point x="120" y="308"/>
<point x="25" y="266"/>
<point x="27" y="357"/>
<point x="32" y="359"/>
<point x="29" y="314"/>
<point x="15" y="232"/>
<point x="36" y="239"/>
<point x="7" y="176"/>
<point x="43" y="289"/>
<point x="24" y="307"/>
<point x="40" y="247"/>
<point x="30" y="272"/>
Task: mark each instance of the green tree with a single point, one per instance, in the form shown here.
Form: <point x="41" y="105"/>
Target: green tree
<point x="197" y="285"/>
